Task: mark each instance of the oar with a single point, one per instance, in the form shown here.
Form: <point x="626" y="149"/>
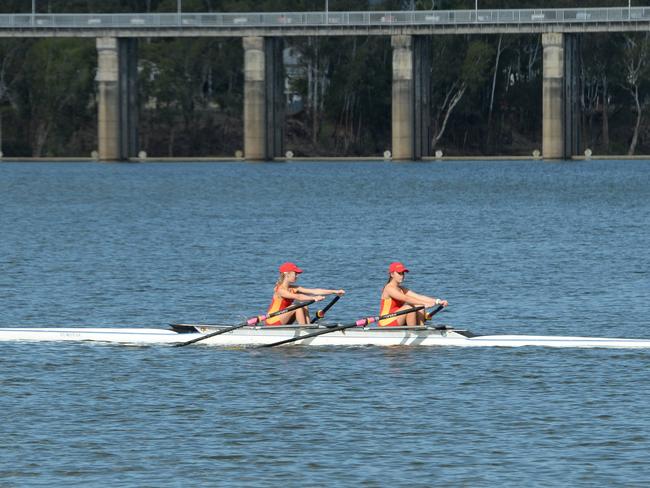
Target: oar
<point x="358" y="323"/>
<point x="321" y="313"/>
<point x="428" y="315"/>
<point x="251" y="321"/>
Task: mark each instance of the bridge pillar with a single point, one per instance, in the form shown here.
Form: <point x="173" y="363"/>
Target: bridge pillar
<point x="117" y="98"/>
<point x="561" y="91"/>
<point x="263" y="98"/>
<point x="411" y="121"/>
<point x="402" y="103"/>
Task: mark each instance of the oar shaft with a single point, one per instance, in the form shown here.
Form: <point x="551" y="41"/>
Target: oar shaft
<point x="252" y="321"/>
<point x="372" y="320"/>
<point x="321" y="313"/>
<point x="358" y="323"/>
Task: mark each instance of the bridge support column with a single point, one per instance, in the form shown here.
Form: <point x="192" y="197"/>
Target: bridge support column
<point x="402" y="103"/>
<point x="263" y="98"/>
<point x="411" y="123"/>
<point x="116" y="78"/>
<point x="561" y="91"/>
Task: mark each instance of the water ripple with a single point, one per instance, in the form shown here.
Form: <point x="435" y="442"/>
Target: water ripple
<point x="516" y="247"/>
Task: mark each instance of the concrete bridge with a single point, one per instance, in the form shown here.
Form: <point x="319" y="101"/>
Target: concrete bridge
<point x="262" y="33"/>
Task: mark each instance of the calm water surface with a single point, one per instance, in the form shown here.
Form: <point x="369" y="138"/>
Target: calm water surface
<point x="515" y="247"/>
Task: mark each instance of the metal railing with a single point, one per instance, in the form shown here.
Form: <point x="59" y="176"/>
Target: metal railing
<point x="332" y="19"/>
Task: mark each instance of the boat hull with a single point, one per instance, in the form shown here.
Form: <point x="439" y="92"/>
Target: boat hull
<point x="254" y="336"/>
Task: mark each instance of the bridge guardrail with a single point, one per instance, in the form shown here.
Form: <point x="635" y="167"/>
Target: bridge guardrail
<point x="325" y="19"/>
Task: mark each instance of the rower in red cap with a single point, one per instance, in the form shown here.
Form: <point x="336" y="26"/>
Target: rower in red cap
<point x="285" y="292"/>
<point x="395" y="297"/>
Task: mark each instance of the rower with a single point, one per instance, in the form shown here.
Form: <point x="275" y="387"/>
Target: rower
<point x="395" y="297"/>
<point x="285" y="292"/>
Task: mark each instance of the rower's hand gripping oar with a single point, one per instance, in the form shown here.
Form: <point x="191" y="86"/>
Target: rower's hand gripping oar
<point x="252" y="321"/>
<point x="321" y="313"/>
<point x="358" y="323"/>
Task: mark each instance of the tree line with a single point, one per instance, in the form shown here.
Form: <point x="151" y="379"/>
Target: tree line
<point x="486" y="93"/>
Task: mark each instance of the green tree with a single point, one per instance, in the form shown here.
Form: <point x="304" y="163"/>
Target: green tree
<point x="452" y="80"/>
<point x="57" y="96"/>
<point x="191" y="91"/>
<point x="636" y="64"/>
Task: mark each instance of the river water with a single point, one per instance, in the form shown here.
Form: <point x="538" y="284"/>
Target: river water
<point x="516" y="247"/>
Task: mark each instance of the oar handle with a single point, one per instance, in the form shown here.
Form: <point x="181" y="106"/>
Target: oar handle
<point x="321" y="313"/>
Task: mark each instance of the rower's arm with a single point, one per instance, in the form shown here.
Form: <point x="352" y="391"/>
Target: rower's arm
<point x="397" y="294"/>
<point x="320" y="291"/>
<point x="428" y="301"/>
<point x="289" y="295"/>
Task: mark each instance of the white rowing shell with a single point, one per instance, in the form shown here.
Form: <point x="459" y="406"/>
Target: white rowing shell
<point x="248" y="336"/>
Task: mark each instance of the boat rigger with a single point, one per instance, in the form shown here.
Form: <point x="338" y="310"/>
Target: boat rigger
<point x="251" y="336"/>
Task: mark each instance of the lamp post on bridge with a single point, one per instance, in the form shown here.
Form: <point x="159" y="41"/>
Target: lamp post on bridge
<point x="179" y="10"/>
<point x="327" y="11"/>
<point x="33" y="11"/>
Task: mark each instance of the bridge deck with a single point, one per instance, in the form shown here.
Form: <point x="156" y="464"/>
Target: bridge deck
<point x="326" y="24"/>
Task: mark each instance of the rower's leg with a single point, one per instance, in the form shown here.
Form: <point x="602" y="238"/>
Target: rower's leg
<point x="401" y="320"/>
<point x="302" y="316"/>
<point x="412" y="319"/>
<point x="421" y="317"/>
<point x="287" y="318"/>
<point x="408" y="319"/>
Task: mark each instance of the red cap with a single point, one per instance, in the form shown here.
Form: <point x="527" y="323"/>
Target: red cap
<point x="287" y="267"/>
<point x="397" y="267"/>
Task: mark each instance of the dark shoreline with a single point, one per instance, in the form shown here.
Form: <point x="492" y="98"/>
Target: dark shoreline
<point x="376" y="159"/>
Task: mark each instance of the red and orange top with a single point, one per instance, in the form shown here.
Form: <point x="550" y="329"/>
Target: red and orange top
<point x="278" y="302"/>
<point x="390" y="305"/>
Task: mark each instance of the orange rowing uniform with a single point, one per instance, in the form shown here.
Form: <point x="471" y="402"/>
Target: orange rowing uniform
<point x="278" y="303"/>
<point x="387" y="306"/>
